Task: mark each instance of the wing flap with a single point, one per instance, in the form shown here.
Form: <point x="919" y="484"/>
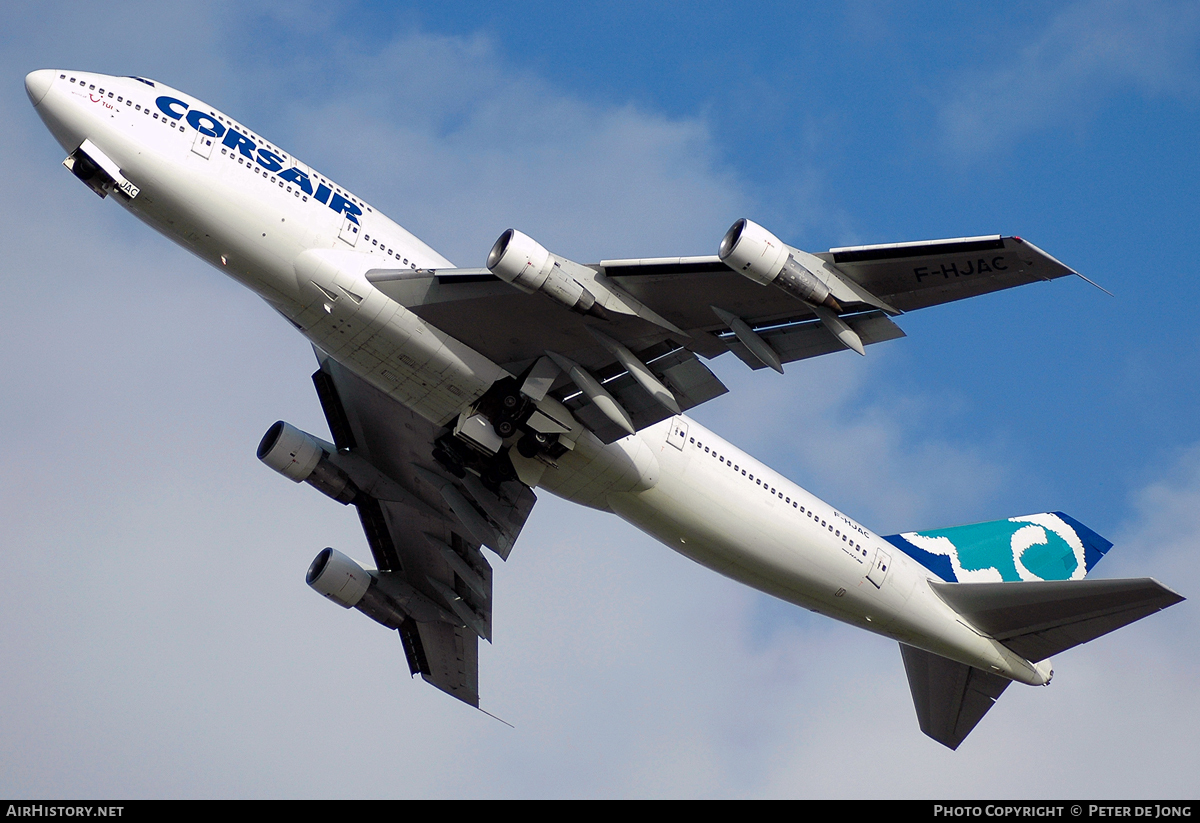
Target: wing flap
<point x="684" y="290"/>
<point x="812" y="339"/>
<point x="452" y="657"/>
<point x="689" y="380"/>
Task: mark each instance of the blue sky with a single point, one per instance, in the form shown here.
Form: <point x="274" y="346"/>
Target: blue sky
<point x="160" y="640"/>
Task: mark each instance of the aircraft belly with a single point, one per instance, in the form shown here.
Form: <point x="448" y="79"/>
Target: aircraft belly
<point x="189" y="204"/>
<point x="236" y="236"/>
<point x="710" y="514"/>
<point x="592" y="472"/>
<point x="260" y="244"/>
<point x="718" y="525"/>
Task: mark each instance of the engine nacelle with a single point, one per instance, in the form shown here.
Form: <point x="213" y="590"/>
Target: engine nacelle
<point x="518" y="259"/>
<point x="300" y="457"/>
<point x="339" y="578"/>
<point x="381" y="596"/>
<point x="751" y="250"/>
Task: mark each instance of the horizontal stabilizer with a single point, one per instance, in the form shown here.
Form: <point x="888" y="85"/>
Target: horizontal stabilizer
<point x="1042" y="618"/>
<point x="950" y="697"/>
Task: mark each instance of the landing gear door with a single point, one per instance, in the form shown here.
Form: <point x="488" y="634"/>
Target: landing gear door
<point x="678" y="434"/>
<point x="879" y="568"/>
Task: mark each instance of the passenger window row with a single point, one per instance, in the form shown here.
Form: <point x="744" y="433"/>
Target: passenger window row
<point x="230" y="123"/>
<point x="767" y="487"/>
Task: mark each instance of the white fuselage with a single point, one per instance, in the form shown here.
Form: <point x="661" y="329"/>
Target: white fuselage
<point x="305" y="245"/>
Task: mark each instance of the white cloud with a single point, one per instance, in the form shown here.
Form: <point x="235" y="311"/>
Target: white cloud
<point x="443" y="127"/>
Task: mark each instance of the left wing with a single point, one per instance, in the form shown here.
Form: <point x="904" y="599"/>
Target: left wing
<point x="425" y="527"/>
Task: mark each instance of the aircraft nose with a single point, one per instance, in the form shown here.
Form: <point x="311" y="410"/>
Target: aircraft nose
<point x="37" y="83"/>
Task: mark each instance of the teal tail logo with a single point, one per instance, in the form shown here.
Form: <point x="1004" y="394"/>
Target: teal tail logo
<point x="1048" y="546"/>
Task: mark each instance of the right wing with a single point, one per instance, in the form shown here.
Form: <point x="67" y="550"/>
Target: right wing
<point x="893" y="277"/>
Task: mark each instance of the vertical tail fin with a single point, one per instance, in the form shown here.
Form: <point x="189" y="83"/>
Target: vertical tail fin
<point x="1046" y="546"/>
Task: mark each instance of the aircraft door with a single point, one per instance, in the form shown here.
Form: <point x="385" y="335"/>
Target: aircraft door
<point x="349" y="232"/>
<point x="678" y="434"/>
<point x="203" y="144"/>
<point x="879" y="568"/>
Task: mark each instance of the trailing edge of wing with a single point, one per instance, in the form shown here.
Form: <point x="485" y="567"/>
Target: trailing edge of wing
<point x="446" y="657"/>
<point x="800" y="341"/>
<point x="689" y="381"/>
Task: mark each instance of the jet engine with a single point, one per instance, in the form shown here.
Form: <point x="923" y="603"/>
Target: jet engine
<point x="518" y="259"/>
<point x="300" y="457"/>
<point x="348" y="584"/>
<point x="380" y="596"/>
<point x="339" y="578"/>
<point x="751" y="250"/>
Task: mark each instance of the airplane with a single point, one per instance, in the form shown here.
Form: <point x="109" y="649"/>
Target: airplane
<point x="451" y="394"/>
